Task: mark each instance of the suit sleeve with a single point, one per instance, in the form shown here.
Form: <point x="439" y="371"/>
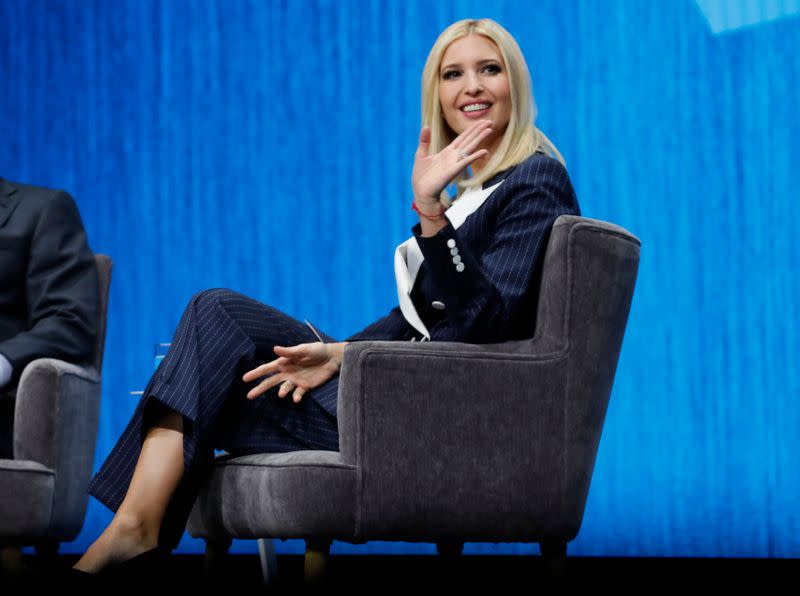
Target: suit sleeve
<point x="62" y="290"/>
<point x="487" y="293"/>
<point x="392" y="327"/>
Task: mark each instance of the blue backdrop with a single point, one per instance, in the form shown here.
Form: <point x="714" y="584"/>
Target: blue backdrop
<point x="266" y="146"/>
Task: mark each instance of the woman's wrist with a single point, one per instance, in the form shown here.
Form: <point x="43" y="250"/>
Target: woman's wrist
<point x="431" y="209"/>
<point x="338" y="354"/>
<point x="430" y="228"/>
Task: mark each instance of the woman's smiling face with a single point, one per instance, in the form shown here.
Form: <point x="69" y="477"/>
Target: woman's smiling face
<point x="473" y="74"/>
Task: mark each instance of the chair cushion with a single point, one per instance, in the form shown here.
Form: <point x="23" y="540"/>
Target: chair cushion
<point x="284" y="495"/>
<point x="26" y="499"/>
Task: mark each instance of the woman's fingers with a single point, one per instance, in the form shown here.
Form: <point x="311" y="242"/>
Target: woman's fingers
<point x="265" y="386"/>
<point x="298" y="395"/>
<point x="296" y="352"/>
<point x="286" y="355"/>
<point x="286" y="387"/>
<point x="424" y="141"/>
<point x="477" y="155"/>
<point x="469" y="146"/>
<point x="474" y="133"/>
<point x="460" y="138"/>
<point x="297" y="368"/>
<point x="265" y="369"/>
<point x="252" y="375"/>
<point x="470" y="133"/>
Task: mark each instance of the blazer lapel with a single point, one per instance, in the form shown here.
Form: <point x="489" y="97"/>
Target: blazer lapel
<point x="8" y="200"/>
<point x="467" y="204"/>
<point x="407" y="261"/>
<point x="408" y="257"/>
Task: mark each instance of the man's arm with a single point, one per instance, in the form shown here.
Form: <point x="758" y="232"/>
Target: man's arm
<point x="61" y="288"/>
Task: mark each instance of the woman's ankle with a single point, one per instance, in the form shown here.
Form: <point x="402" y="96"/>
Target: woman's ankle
<point x="135" y="528"/>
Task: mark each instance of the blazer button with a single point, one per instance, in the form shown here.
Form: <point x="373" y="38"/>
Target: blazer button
<point x="460" y="267"/>
<point x="437" y="305"/>
<point x="451" y="243"/>
<point x="453" y="251"/>
<point x="456" y="259"/>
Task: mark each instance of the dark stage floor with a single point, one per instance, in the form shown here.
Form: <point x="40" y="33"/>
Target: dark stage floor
<point x="487" y="574"/>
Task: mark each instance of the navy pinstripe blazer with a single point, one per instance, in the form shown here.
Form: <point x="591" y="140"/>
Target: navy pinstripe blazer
<point x="477" y="279"/>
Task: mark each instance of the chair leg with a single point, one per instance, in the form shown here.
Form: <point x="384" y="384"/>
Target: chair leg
<point x="269" y="562"/>
<point x="47" y="555"/>
<point x="315" y="568"/>
<point x="450" y="565"/>
<point x="11" y="564"/>
<point x="554" y="557"/>
<point x="450" y="549"/>
<point x="216" y="556"/>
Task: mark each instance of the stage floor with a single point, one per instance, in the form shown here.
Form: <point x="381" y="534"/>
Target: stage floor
<point x="497" y="574"/>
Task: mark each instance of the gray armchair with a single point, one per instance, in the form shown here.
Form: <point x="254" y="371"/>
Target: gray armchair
<point x="449" y="442"/>
<point x="43" y="496"/>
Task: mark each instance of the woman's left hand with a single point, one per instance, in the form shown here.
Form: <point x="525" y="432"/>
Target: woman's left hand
<point x="302" y="368"/>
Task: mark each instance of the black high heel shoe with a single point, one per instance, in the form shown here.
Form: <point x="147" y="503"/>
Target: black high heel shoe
<point x="140" y="566"/>
<point x="137" y="568"/>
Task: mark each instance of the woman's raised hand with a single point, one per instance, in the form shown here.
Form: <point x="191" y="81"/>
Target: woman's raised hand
<point x="302" y="368"/>
<point x="432" y="173"/>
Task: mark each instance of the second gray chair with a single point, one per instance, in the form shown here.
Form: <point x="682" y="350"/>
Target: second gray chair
<point x="43" y="496"/>
<point x="450" y="442"/>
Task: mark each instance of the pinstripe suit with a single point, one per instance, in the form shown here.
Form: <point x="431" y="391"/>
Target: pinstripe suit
<point x="500" y="239"/>
<point x="474" y="281"/>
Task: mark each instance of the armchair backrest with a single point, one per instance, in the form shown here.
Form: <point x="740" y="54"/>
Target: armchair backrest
<point x="104" y="265"/>
<point x="586" y="288"/>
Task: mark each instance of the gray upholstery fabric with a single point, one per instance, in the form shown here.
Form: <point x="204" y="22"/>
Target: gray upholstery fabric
<point x="446" y="440"/>
<point x="56" y="417"/>
<point x="445" y="450"/>
<point x="292" y="494"/>
<point x="55" y="424"/>
<point x="26" y="497"/>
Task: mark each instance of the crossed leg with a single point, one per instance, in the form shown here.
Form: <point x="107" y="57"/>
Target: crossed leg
<point x="221" y="334"/>
<point x="136" y="524"/>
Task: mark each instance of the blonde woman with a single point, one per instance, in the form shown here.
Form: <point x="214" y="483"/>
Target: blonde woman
<point x="468" y="273"/>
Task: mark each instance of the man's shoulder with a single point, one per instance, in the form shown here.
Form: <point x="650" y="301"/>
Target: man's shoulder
<point x="30" y="206"/>
<point x="32" y="192"/>
<point x="36" y="197"/>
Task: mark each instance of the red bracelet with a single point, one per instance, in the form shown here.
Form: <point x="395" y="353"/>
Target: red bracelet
<point x="432" y="217"/>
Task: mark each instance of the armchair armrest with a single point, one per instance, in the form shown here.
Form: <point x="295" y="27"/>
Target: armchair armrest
<point x="456" y="440"/>
<point x="55" y="424"/>
<point x="52" y="397"/>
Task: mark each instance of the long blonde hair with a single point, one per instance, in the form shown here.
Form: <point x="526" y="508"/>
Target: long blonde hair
<point x="521" y="138"/>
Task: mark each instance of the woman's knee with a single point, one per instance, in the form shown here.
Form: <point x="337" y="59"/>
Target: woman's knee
<point x="211" y="296"/>
<point x="231" y="302"/>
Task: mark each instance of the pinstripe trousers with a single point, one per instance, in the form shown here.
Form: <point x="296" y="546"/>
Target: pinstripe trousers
<point x="221" y="335"/>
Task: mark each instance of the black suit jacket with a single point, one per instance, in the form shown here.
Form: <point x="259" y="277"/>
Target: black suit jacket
<point x="48" y="278"/>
